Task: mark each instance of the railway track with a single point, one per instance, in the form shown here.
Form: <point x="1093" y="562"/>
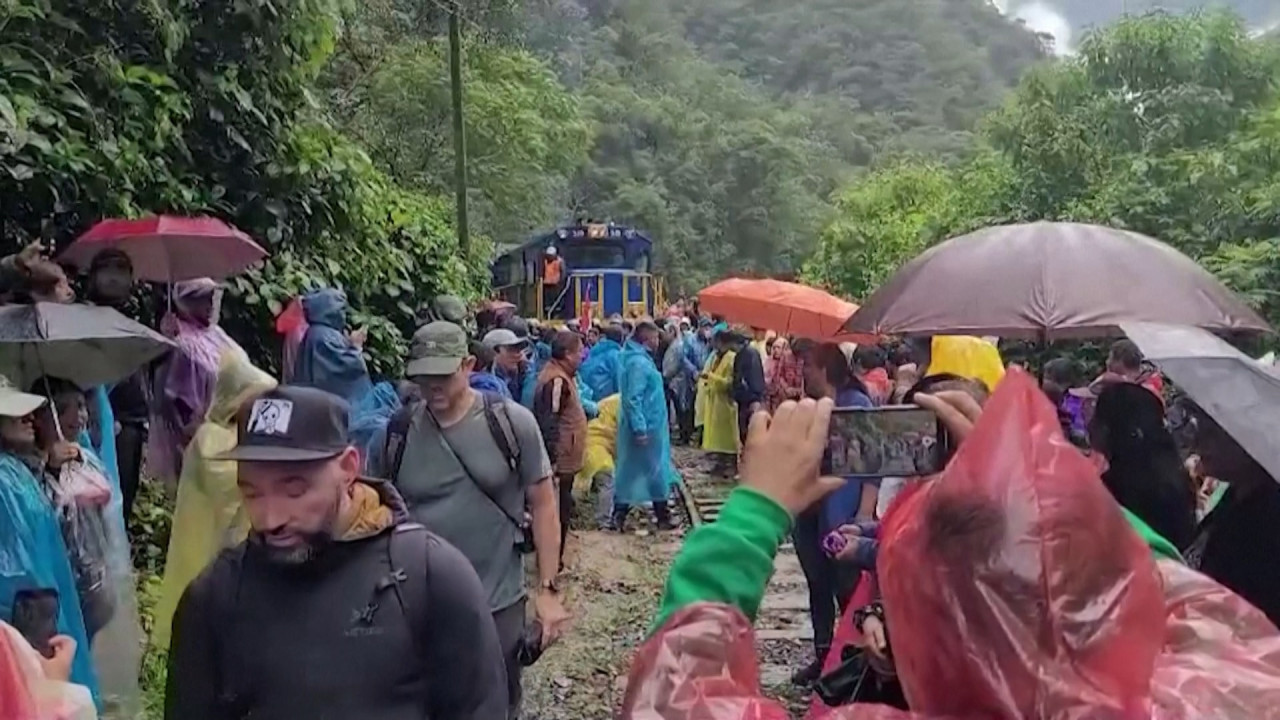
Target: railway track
<point x="784" y="636"/>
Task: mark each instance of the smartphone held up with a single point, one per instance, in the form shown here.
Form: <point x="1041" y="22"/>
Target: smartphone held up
<point x="35" y="617"/>
<point x="891" y="441"/>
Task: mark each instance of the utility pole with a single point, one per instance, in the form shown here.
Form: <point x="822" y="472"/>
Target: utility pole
<point x="459" y="133"/>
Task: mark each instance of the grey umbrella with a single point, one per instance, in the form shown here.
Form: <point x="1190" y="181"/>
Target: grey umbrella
<point x="1239" y="393"/>
<point x="85" y="344"/>
<point x="1046" y="281"/>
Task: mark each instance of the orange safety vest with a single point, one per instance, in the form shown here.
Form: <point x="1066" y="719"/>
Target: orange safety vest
<point x="552" y="269"/>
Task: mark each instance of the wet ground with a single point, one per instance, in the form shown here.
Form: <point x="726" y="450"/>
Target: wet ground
<point x="613" y="585"/>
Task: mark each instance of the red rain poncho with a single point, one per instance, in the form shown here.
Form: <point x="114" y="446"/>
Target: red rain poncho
<point x="1014" y="588"/>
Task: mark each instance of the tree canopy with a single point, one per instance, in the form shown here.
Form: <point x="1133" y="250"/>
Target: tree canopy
<point x="1165" y="125"/>
<point x="124" y="109"/>
<point x="719" y="126"/>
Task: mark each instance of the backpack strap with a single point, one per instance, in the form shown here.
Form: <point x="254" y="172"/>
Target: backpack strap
<point x="397" y="436"/>
<point x="407" y="553"/>
<point x="499" y="421"/>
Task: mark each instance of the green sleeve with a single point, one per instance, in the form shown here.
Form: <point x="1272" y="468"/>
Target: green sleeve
<point x="728" y="561"/>
<point x="1153" y="539"/>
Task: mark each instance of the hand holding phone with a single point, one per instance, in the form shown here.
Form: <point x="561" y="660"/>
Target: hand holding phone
<point x="35" y="616"/>
<point x="58" y="665"/>
<point x="891" y="441"/>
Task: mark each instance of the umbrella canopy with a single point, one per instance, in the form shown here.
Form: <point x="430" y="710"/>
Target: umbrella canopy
<point x="86" y="344"/>
<point x="1046" y="281"/>
<point x="170" y="249"/>
<point x="787" y="308"/>
<point x="1239" y="393"/>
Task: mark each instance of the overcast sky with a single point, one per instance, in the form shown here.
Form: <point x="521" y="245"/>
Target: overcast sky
<point x="1066" y="20"/>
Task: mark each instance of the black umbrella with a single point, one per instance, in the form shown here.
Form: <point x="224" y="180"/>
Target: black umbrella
<point x="85" y="344"/>
<point x="1047" y="281"/>
<point x="1241" y="394"/>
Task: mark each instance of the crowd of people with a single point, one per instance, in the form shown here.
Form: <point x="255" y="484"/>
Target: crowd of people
<point x="348" y="546"/>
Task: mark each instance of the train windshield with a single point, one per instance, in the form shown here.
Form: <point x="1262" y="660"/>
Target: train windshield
<point x="606" y="256"/>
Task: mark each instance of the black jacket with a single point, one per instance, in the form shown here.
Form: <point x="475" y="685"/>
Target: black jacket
<point x="344" y="637"/>
<point x="748" y="377"/>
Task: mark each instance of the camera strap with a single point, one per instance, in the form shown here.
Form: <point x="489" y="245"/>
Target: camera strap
<point x="444" y="442"/>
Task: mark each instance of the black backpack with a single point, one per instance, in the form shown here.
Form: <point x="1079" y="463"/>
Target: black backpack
<point x="408" y="581"/>
<point x="495" y="415"/>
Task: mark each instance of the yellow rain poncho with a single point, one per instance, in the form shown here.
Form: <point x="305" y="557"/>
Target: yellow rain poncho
<point x="207" y="517"/>
<point x="966" y="356"/>
<point x="720" y="430"/>
<point x="700" y="398"/>
<point x="602" y="440"/>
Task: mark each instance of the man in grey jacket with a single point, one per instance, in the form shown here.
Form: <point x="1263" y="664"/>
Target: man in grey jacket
<point x="337" y="606"/>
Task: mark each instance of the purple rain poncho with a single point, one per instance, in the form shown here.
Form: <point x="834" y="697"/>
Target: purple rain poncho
<point x="184" y="381"/>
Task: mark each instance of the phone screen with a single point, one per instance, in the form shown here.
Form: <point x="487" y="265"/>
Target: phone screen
<point x="35" y="616"/>
<point x="893" y="441"/>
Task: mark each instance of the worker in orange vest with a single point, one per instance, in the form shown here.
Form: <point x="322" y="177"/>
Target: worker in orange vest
<point x="552" y="279"/>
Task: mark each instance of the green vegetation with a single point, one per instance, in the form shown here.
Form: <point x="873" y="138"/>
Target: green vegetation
<point x="1165" y="125"/>
<point x="720" y="126"/>
<point x="122" y="109"/>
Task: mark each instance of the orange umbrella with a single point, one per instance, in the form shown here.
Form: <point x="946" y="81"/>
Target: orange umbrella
<point x="787" y="308"/>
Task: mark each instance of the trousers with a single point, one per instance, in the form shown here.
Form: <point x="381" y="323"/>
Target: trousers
<point x="564" y="490"/>
<point x="830" y="585"/>
<point x="511" y="622"/>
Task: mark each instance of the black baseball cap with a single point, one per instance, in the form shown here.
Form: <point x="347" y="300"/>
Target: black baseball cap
<point x="293" y="424"/>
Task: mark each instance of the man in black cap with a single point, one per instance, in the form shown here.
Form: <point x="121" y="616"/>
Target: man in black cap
<point x="336" y="606"/>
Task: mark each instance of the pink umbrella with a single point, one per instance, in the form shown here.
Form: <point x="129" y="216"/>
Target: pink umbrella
<point x="167" y="248"/>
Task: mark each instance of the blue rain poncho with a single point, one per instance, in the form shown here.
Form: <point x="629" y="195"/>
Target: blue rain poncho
<point x="104" y="445"/>
<point x="326" y="358"/>
<point x="370" y="416"/>
<point x="642" y="473"/>
<point x="529" y="383"/>
<point x="600" y="371"/>
<point x="587" y="397"/>
<point x="487" y="382"/>
<point x="33" y="555"/>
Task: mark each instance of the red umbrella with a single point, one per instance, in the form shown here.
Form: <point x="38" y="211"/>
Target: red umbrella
<point x="167" y="248"/>
<point x="788" y="308"/>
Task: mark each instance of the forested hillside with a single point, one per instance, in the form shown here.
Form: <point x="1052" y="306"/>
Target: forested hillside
<point x="1167" y="125"/>
<point x="721" y="126"/>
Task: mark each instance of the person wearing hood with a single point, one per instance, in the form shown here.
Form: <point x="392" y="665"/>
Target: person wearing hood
<point x="643" y="473"/>
<point x="600" y="371"/>
<point x="1030" y="612"/>
<point x="336" y="605"/>
<point x="959" y="355"/>
<point x="681" y="375"/>
<point x="720" y="413"/>
<point x="207" y="516"/>
<point x="184" y="381"/>
<point x="330" y="357"/>
<point x="33" y="551"/>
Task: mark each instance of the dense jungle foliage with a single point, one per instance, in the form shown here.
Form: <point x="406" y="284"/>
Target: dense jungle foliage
<point x="1165" y="125"/>
<point x="128" y="108"/>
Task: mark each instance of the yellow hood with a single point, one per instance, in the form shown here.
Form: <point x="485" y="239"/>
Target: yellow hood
<point x="238" y="381"/>
<point x="968" y="357"/>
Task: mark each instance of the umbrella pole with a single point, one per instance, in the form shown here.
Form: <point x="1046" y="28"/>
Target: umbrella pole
<point x="48" y="391"/>
<point x="1042" y="356"/>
